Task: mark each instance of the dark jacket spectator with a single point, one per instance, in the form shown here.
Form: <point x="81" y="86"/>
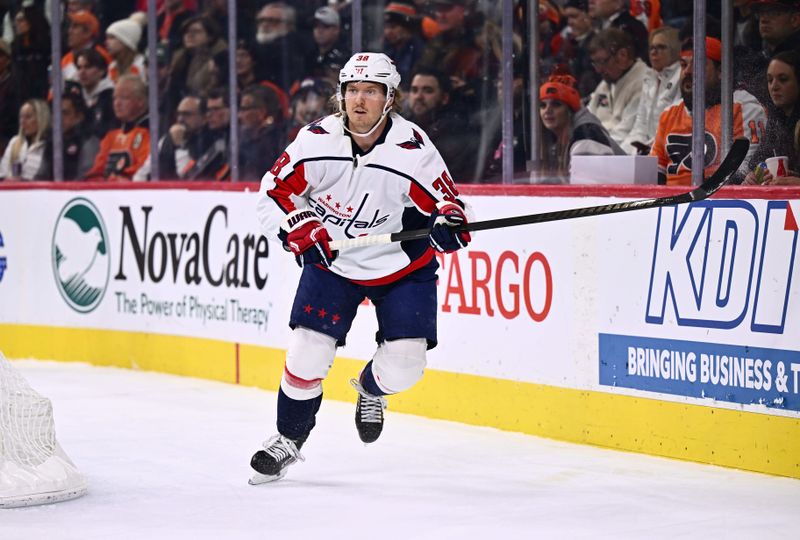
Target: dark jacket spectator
<point x="615" y="14"/>
<point x="280" y="52"/>
<point x="170" y="21"/>
<point x="262" y="132"/>
<point x="448" y="127"/>
<point x="575" y="46"/>
<point x="30" y="52"/>
<point x="328" y="46"/>
<point x="9" y="101"/>
<point x="783" y="109"/>
<point x="201" y="64"/>
<point x="401" y="38"/>
<point x="80" y="145"/>
<point x="97" y="91"/>
<point x="189" y="151"/>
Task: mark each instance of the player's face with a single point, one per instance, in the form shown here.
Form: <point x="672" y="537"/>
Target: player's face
<point x="783" y="86"/>
<point x="554" y="114"/>
<point x="363" y="102"/>
<point x="425" y="95"/>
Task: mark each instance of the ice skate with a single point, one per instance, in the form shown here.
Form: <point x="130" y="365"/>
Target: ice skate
<point x="272" y="463"/>
<point x="369" y="413"/>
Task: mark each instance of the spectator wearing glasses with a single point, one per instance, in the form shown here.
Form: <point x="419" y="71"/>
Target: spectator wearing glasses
<point x="660" y="89"/>
<point x="280" y="51"/>
<point x="189" y="151"/>
<point x="778" y="25"/>
<point x="615" y="101"/>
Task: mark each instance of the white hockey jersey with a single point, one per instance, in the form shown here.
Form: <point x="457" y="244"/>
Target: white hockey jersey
<point x="393" y="187"/>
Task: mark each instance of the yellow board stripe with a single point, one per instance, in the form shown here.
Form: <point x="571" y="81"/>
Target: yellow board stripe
<point x="745" y="440"/>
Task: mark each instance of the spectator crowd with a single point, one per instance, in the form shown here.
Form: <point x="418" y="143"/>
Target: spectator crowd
<point x="616" y="80"/>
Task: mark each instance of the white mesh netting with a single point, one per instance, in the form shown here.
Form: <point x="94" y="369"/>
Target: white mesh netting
<point x="33" y="467"/>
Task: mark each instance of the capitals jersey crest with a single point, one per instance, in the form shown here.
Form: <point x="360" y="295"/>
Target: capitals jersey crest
<point x="415" y="143"/>
<point x="315" y="127"/>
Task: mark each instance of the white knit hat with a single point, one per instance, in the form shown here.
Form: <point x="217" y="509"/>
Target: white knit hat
<point x="127" y="31"/>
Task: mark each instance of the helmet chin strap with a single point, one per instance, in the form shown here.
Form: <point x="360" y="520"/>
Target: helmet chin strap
<point x="386" y="109"/>
<point x="368" y="133"/>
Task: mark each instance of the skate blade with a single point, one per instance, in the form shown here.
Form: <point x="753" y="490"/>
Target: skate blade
<point x="259" y="478"/>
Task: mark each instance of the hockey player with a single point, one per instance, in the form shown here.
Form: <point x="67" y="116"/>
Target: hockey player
<point x="365" y="170"/>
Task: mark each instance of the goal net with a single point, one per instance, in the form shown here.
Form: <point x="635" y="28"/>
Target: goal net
<point x="33" y="467"/>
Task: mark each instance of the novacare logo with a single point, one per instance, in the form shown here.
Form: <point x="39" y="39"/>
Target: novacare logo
<point x="81" y="261"/>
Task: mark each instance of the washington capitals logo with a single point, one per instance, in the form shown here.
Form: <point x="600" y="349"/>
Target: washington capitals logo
<point x="414" y="143"/>
<point x="314" y="127"/>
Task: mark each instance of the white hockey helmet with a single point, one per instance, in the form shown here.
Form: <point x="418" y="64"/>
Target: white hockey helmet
<point x="369" y="67"/>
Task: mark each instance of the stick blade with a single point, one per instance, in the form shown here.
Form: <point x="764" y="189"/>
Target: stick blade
<point x="729" y="165"/>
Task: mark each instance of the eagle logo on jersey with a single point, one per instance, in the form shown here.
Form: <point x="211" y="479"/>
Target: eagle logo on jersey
<point x="415" y="143"/>
<point x="679" y="149"/>
<point x="315" y="127"/>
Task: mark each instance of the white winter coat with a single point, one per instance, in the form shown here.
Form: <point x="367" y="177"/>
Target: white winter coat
<point x="659" y="91"/>
<point x="615" y="104"/>
<point x="28" y="160"/>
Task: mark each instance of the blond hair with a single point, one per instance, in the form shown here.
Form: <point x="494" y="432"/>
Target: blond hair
<point x="42" y="113"/>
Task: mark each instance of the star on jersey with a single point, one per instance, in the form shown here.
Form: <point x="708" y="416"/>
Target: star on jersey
<point x="314" y="127"/>
<point x="414" y="143"/>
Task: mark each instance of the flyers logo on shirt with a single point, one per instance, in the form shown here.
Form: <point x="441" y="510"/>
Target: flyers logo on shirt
<point x="679" y="150"/>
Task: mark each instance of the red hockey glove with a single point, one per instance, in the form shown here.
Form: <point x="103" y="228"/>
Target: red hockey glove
<point x="443" y="237"/>
<point x="303" y="234"/>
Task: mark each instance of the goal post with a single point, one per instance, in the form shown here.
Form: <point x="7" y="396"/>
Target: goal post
<point x="34" y="469"/>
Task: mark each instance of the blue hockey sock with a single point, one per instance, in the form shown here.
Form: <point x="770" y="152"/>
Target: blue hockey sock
<point x="368" y="381"/>
<point x="296" y="418"/>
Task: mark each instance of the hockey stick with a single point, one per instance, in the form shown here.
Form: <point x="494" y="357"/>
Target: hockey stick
<point x="728" y="166"/>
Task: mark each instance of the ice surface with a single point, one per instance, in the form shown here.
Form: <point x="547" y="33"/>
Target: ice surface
<point x="167" y="457"/>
